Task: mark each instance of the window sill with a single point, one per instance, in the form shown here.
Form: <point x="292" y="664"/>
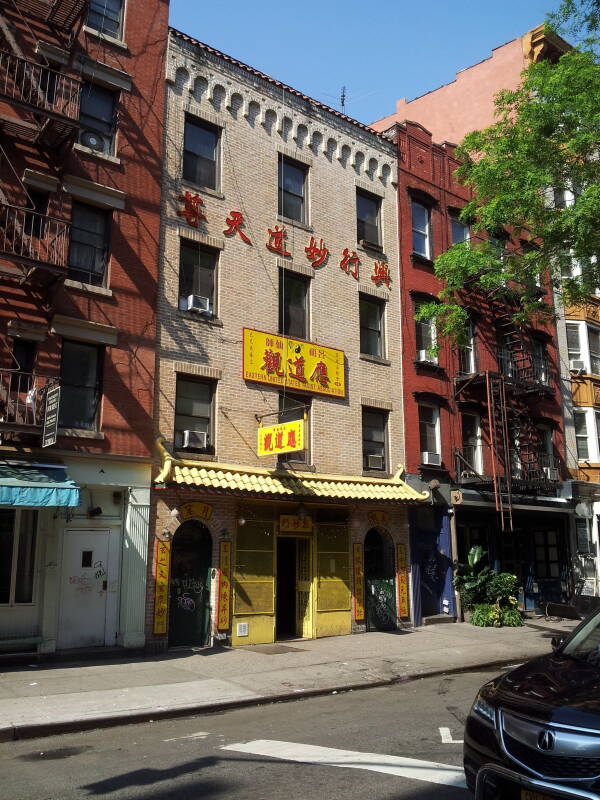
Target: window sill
<point x="81" y="148"/>
<point x="80" y="433"/>
<point x="295" y="224"/>
<point x="105" y="37"/>
<point x="370" y="247"/>
<point x="375" y="359"/>
<point x="296" y="466"/>
<point x="192" y="455"/>
<point x="429" y="365"/>
<point x="196" y="187"/>
<point x="205" y="320"/>
<point x="376" y="473"/>
<point x="423" y="261"/>
<point x="88" y="287"/>
<point x="433" y="468"/>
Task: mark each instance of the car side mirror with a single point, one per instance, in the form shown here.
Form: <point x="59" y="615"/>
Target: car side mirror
<point x="557" y="642"/>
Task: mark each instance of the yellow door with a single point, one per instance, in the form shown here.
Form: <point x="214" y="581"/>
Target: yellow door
<point x="304" y="580"/>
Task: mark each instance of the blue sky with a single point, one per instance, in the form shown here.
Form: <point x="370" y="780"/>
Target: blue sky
<point x="380" y="50"/>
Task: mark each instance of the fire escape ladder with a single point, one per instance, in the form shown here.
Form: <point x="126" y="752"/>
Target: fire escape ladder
<point x="500" y="448"/>
<point x="518" y="358"/>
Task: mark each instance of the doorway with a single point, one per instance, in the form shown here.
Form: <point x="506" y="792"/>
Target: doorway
<point x="293" y="615"/>
<point x="189" y="586"/>
<point x="380" y="583"/>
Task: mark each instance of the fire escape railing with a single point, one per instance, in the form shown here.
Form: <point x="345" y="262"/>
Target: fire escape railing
<point x="39" y="88"/>
<point x="33" y="238"/>
<point x="23" y="399"/>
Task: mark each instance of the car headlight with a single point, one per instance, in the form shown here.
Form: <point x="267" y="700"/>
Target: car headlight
<point x="485" y="710"/>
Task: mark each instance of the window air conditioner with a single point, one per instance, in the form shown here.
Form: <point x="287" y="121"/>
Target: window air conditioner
<point x="95" y="141"/>
<point x="194" y="439"/>
<point x="431" y="458"/>
<point x="576" y="365"/>
<point x="551" y="473"/>
<point x="196" y="302"/>
<point x="423" y="355"/>
<point x="375" y="462"/>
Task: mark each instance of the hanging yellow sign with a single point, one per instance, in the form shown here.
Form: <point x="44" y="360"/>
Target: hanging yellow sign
<point x="161" y="593"/>
<point x="284" y="438"/>
<point x="403" y="608"/>
<point x="297" y="365"/>
<point x="359" y="582"/>
<point x="224" y="585"/>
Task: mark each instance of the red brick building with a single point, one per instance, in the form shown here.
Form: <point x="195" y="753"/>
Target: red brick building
<point x="81" y="126"/>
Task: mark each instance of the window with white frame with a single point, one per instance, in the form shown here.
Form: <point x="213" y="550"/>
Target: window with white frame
<point x="429" y="434"/>
<point x="594" y="345"/>
<point x="194" y="416"/>
<point x="371" y="315"/>
<point x="459" y="230"/>
<point x="18" y="535"/>
<point x="97" y="118"/>
<point x="201" y="152"/>
<point x="197" y="277"/>
<point x="421" y="230"/>
<point x="573" y="342"/>
<point x="425" y="334"/>
<point x="471" y="443"/>
<point x="106" y="16"/>
<point x="467" y="355"/>
<point x="374" y="434"/>
<point x="581" y="435"/>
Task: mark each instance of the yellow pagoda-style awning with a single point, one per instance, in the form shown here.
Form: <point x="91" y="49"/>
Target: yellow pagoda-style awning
<point x="257" y="482"/>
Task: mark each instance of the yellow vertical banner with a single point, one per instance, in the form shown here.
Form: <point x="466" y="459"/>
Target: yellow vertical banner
<point x="223" y="620"/>
<point x="161" y="593"/>
<point x="359" y="582"/>
<point x="403" y="606"/>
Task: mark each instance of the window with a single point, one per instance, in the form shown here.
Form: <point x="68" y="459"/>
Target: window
<point x="18" y="530"/>
<point x="374" y="424"/>
<point x="35" y="223"/>
<point x="429" y="434"/>
<point x="467" y="354"/>
<point x="597" y="421"/>
<point x="471" y="443"/>
<point x="371" y="326"/>
<point x="293" y="407"/>
<point x="200" y="153"/>
<point x="80" y="385"/>
<point x="541" y="367"/>
<point x="573" y="343"/>
<point x="197" y="268"/>
<point x="594" y="343"/>
<point x="194" y="415"/>
<point x="97" y="118"/>
<point x="581" y="435"/>
<point x="293" y="305"/>
<point x="460" y="231"/>
<point x="368" y="208"/>
<point x="425" y="339"/>
<point x="106" y="16"/>
<point x="421" y="234"/>
<point x="514" y="437"/>
<point x="23" y="360"/>
<point x="88" y="248"/>
<point x="292" y="189"/>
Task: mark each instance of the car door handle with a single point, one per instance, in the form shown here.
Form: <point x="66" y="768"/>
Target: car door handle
<point x="104" y="585"/>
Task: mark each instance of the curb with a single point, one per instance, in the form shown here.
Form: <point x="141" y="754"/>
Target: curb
<point x="43" y="729"/>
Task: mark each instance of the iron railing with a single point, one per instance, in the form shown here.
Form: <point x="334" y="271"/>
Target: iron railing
<point x="533" y="370"/>
<point x="23" y="398"/>
<point x="41" y="88"/>
<point x="469" y="463"/>
<point x="29" y="236"/>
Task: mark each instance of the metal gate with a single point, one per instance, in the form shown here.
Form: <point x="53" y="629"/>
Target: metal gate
<point x="189" y="586"/>
<point x="380" y="583"/>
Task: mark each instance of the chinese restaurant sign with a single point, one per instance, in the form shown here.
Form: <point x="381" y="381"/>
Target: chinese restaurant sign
<point x="195" y="510"/>
<point x="161" y="595"/>
<point x="224" y="585"/>
<point x="297" y="365"/>
<point x="289" y="523"/>
<point x="403" y="610"/>
<point x="359" y="582"/>
<point x="284" y="438"/>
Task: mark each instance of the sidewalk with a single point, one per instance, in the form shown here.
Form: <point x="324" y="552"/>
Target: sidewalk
<point x="59" y="697"/>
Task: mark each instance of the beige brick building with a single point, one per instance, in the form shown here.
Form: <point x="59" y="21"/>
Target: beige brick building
<point x="257" y="329"/>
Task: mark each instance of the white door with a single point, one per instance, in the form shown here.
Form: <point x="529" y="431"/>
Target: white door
<point x="84" y="590"/>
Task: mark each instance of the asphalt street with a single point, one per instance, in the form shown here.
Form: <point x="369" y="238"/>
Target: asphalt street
<point x="391" y="743"/>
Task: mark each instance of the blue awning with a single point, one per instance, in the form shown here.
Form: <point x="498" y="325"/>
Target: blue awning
<point x="36" y="485"/>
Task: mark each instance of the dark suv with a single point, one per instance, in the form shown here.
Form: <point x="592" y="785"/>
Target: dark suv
<point x="534" y="733"/>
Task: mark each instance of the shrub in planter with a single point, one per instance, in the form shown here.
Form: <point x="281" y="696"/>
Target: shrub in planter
<point x="511" y="617"/>
<point x="471" y="579"/>
<point x="486" y="615"/>
<point x="501" y="587"/>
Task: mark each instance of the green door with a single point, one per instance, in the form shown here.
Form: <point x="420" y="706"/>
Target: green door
<point x="380" y="583"/>
<point x="189" y="586"/>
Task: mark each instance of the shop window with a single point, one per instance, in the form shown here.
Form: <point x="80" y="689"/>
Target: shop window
<point x="194" y="415"/>
<point x="97" y="118"/>
<point x="293" y="407"/>
<point x="368" y="219"/>
<point x="371" y="313"/>
<point x="197" y="277"/>
<point x="201" y="152"/>
<point x="18" y="534"/>
<point x="421" y="230"/>
<point x="80" y="385"/>
<point x="106" y="16"/>
<point x="292" y="189"/>
<point x="88" y="247"/>
<point x="293" y="305"/>
<point x="374" y="426"/>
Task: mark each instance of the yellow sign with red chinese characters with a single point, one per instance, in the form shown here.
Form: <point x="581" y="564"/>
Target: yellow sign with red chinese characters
<point x="297" y="365"/>
<point x="224" y="586"/>
<point x="161" y="593"/>
<point x="195" y="510"/>
<point x="286" y="437"/>
<point x="289" y="523"/>
<point x="359" y="582"/>
<point x="403" y="607"/>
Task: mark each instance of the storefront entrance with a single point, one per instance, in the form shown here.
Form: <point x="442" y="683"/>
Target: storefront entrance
<point x="293" y="613"/>
<point x="380" y="583"/>
<point x="189" y="586"/>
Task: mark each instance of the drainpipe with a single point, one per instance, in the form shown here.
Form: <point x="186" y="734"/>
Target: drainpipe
<point x="454" y="545"/>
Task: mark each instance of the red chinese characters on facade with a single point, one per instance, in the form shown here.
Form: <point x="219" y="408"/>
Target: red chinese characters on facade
<point x="236" y="222"/>
<point x="320" y="374"/>
<point x="350" y="263"/>
<point x="316" y="253"/>
<point x="275" y="243"/>
<point x="191" y="208"/>
<point x="272" y="363"/>
<point x="381" y="273"/>
<point x="297" y="369"/>
<point x="273" y="444"/>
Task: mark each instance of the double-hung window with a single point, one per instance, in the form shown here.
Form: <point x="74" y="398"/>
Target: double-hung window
<point x="18" y="534"/>
<point x="374" y="426"/>
<point x="292" y="189"/>
<point x="429" y="434"/>
<point x="594" y="344"/>
<point x="88" y="247"/>
<point x="197" y="269"/>
<point x="421" y="230"/>
<point x="368" y="219"/>
<point x="471" y="443"/>
<point x="293" y="305"/>
<point x="106" y="16"/>
<point x="291" y="408"/>
<point x="201" y="152"/>
<point x="97" y="118"/>
<point x="194" y="415"/>
<point x="371" y="326"/>
<point x="581" y="435"/>
<point x="460" y="231"/>
<point x="574" y="345"/>
<point x="80" y="385"/>
<point x="467" y="352"/>
<point x="425" y="339"/>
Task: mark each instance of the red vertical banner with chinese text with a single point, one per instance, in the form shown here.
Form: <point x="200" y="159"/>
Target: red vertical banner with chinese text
<point x="161" y="593"/>
<point x="359" y="582"/>
<point x="224" y="616"/>
<point x="403" y="606"/>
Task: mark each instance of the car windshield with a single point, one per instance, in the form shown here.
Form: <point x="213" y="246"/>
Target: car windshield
<point x="585" y="645"/>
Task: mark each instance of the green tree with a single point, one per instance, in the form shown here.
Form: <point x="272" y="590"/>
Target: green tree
<point x="577" y="17"/>
<point x="544" y="143"/>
